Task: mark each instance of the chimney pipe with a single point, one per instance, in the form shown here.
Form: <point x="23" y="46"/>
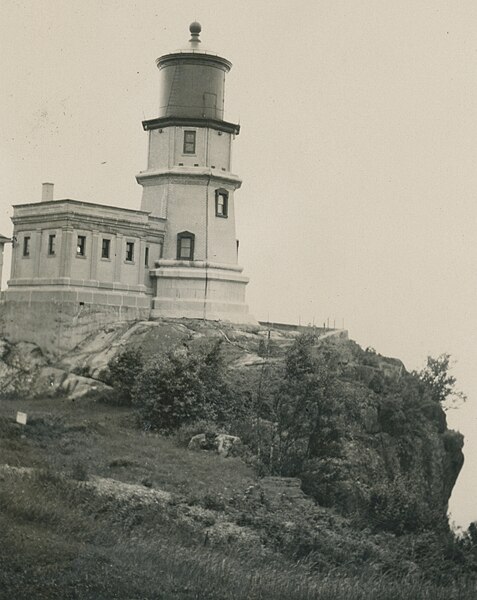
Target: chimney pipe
<point x="47" y="192"/>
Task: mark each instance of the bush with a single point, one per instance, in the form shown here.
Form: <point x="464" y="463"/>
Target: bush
<point x="124" y="370"/>
<point x="180" y="387"/>
<point x="398" y="507"/>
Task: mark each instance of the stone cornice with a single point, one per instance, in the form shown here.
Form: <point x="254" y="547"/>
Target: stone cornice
<point x="188" y="175"/>
<point x="71" y="284"/>
<point x="216" y="124"/>
<point x="199" y="57"/>
<point x="197" y="264"/>
<point x="80" y="221"/>
<point x="52" y="205"/>
<point x="87" y="215"/>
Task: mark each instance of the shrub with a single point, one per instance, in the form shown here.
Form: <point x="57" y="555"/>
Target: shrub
<point x="180" y="387"/>
<point x="124" y="370"/>
<point x="398" y="507"/>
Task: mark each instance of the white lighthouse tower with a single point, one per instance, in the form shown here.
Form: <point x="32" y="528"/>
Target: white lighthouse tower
<point x="189" y="186"/>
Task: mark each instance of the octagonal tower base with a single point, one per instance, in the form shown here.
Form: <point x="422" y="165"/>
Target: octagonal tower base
<point x="200" y="290"/>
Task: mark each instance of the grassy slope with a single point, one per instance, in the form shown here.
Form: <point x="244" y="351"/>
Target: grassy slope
<point x="62" y="540"/>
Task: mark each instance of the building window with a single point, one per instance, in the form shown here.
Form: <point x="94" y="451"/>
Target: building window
<point x="105" y="248"/>
<point x="26" y="245"/>
<point x="146" y="256"/>
<point x="81" y="246"/>
<point x="221" y="203"/>
<point x="185" y="246"/>
<point x="189" y="142"/>
<point x="51" y="244"/>
<point x="129" y="251"/>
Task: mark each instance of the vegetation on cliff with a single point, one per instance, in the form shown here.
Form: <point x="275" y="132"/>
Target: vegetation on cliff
<point x="365" y="436"/>
<point x="99" y="507"/>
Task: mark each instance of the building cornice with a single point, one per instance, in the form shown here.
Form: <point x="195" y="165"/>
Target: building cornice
<point x="194" y="57"/>
<point x="80" y="221"/>
<point x="188" y="175"/>
<point x="197" y="264"/>
<point x="216" y="124"/>
<point x="78" y="203"/>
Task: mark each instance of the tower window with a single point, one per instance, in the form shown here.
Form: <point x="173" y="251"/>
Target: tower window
<point x="129" y="251"/>
<point x="81" y="246"/>
<point x="51" y="244"/>
<point x="146" y="256"/>
<point x="221" y="203"/>
<point x="105" y="248"/>
<point x="26" y="245"/>
<point x="189" y="142"/>
<point x="185" y="246"/>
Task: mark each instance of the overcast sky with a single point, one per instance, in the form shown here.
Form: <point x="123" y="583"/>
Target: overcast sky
<point x="358" y="152"/>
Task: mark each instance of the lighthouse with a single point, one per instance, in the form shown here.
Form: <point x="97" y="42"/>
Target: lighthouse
<point x="189" y="187"/>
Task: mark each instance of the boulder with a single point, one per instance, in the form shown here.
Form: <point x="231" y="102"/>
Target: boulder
<point x="225" y="443"/>
<point x="203" y="441"/>
<point x="221" y="442"/>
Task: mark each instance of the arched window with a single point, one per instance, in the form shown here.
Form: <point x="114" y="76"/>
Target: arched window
<point x="221" y="203"/>
<point x="185" y="245"/>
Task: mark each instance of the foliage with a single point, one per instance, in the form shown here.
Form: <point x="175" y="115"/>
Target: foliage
<point x="440" y="383"/>
<point x="294" y="414"/>
<point x="124" y="370"/>
<point x="88" y="544"/>
<point x="398" y="507"/>
<point x="180" y="387"/>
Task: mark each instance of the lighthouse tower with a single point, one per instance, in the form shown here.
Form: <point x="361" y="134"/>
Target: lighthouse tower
<point x="189" y="185"/>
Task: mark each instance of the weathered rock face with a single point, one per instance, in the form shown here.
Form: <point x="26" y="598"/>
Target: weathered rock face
<point x="391" y="439"/>
<point x="394" y="451"/>
<point x="24" y="371"/>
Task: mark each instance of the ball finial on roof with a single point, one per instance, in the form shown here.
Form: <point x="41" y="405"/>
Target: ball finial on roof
<point x="195" y="28"/>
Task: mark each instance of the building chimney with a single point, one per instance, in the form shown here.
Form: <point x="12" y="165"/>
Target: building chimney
<point x="47" y="192"/>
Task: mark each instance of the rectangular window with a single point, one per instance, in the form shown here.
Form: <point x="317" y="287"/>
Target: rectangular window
<point x="189" y="142"/>
<point x="105" y="248"/>
<point x="146" y="257"/>
<point x="221" y="203"/>
<point x="81" y="246"/>
<point x="51" y="244"/>
<point x="129" y="251"/>
<point x="26" y="245"/>
<point x="185" y="246"/>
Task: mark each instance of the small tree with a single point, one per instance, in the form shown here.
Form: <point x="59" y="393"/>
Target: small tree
<point x="440" y="383"/>
<point x="305" y="404"/>
<point x="180" y="387"/>
<point x="124" y="370"/>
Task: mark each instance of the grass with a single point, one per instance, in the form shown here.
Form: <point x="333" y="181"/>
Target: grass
<point x="61" y="539"/>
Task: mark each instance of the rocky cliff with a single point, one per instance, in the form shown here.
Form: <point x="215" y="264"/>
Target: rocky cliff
<point x="383" y="453"/>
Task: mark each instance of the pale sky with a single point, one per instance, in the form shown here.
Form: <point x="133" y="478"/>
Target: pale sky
<point x="358" y="152"/>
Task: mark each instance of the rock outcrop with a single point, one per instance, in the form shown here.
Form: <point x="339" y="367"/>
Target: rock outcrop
<point x="221" y="443"/>
<point x="390" y="437"/>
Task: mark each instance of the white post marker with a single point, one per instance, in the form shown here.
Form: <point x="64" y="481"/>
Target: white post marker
<point x="21" y="418"/>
